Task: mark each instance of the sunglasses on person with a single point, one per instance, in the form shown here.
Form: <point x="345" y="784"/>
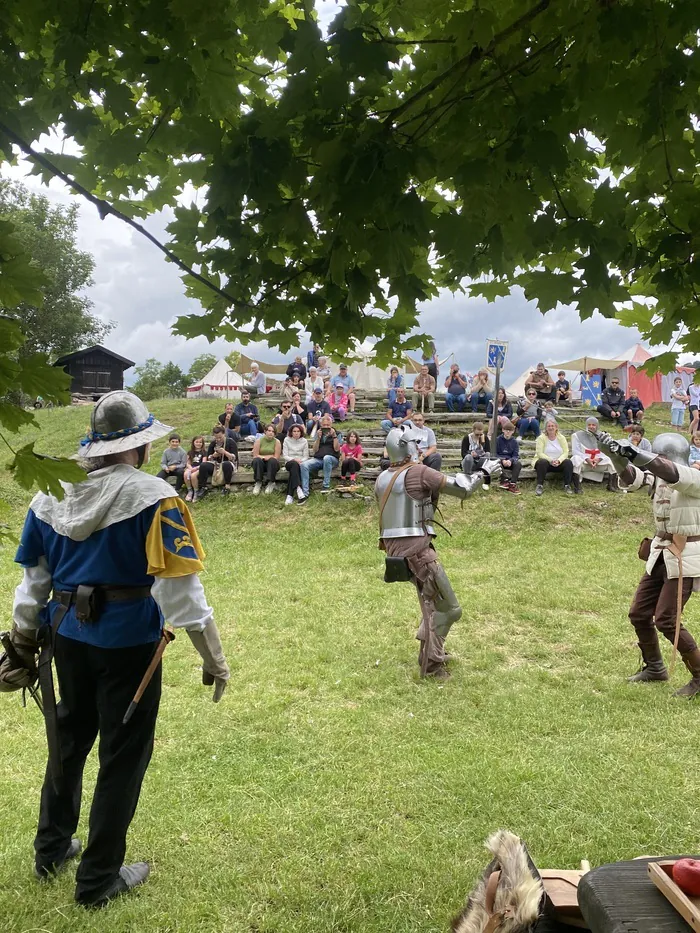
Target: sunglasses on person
<point x="286" y="406"/>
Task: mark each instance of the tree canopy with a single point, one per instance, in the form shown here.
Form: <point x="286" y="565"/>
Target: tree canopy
<point x="344" y="177"/>
<point x="158" y="380"/>
<point x="201" y="365"/>
<point x="62" y="321"/>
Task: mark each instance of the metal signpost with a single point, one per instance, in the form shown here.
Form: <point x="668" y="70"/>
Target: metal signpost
<point x="496" y="351"/>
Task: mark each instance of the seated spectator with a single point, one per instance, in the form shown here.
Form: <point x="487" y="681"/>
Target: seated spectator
<point x="398" y="413"/>
<point x="267" y="451"/>
<point x="297" y="368"/>
<point x="693" y="455"/>
<point x="323" y="368"/>
<point x="634" y="408"/>
<point x="552" y="456"/>
<point x="174" y="462"/>
<point x="424" y="391"/>
<point x="313" y="381"/>
<point x="348" y="384"/>
<point x="475" y="449"/>
<point x="297" y="384"/>
<point x="541" y="382"/>
<point x="283" y="421"/>
<point x="324" y="455"/>
<point x="562" y="388"/>
<point x="339" y="402"/>
<point x="195" y="458"/>
<point x="481" y="390"/>
<point x="351" y="456"/>
<point x="529" y="414"/>
<point x="694" y="406"/>
<point x="298" y="408"/>
<point x="612" y="403"/>
<point x="222" y="450"/>
<point x="247" y="415"/>
<point x="230" y="421"/>
<point x="508" y="452"/>
<point x="295" y="451"/>
<point x="318" y="407"/>
<point x="287" y="389"/>
<point x="505" y="409"/>
<point x="256" y="383"/>
<point x="394" y="382"/>
<point x="426" y="443"/>
<point x="588" y="461"/>
<point x="637" y="438"/>
<point x="456" y="385"/>
<point x="549" y="412"/>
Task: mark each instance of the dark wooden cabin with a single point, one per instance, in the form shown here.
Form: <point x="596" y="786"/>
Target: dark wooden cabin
<point x="94" y="371"/>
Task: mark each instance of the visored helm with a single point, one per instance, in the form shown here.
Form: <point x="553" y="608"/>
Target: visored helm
<point x="401" y="445"/>
<point x="120" y="421"/>
<point x="672" y="446"/>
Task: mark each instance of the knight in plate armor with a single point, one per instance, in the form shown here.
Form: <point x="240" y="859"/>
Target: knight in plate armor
<point x="407" y="494"/>
<point x="672" y="557"/>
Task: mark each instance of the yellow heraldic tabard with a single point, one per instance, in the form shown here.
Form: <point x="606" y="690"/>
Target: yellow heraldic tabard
<point x="172" y="546"/>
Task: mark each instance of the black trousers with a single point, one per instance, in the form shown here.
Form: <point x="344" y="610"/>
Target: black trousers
<point x="207" y="470"/>
<point x="178" y="474"/>
<point x="294" y="470"/>
<point x="514" y="470"/>
<point x="265" y="469"/>
<point x="350" y="465"/>
<point x="542" y="467"/>
<point x="606" y="411"/>
<point x="96" y="686"/>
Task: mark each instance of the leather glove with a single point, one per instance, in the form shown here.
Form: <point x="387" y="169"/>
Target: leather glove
<point x="18" y="663"/>
<point x="621" y="452"/>
<point x="491" y="469"/>
<point x="215" y="670"/>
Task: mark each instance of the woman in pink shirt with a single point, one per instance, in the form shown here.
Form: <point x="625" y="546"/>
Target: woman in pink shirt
<point x="351" y="456"/>
<point x="338" y="401"/>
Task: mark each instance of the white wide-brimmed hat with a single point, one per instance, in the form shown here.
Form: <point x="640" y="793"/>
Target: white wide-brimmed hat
<point x="120" y="421"/>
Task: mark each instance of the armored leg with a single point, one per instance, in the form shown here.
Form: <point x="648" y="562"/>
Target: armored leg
<point x="440" y="610"/>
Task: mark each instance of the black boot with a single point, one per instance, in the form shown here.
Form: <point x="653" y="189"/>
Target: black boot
<point x="692" y="662"/>
<point x="613" y="482"/>
<point x="653" y="667"/>
<point x="130" y="877"/>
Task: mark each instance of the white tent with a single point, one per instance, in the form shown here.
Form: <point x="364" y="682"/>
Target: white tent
<point x="220" y="382"/>
<point x="363" y="370"/>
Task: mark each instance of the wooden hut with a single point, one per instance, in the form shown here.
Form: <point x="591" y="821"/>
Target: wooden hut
<point x="94" y="371"/>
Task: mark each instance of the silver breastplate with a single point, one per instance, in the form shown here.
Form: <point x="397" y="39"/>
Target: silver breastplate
<point x="403" y="517"/>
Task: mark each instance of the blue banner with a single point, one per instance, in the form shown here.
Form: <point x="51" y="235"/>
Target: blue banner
<point x="590" y="389"/>
<point x="496" y="354"/>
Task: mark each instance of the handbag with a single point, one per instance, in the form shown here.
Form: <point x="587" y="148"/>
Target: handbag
<point x="644" y="551"/>
<point x="217" y="477"/>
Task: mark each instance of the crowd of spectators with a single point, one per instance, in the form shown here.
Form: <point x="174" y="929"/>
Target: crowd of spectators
<point x="305" y="436"/>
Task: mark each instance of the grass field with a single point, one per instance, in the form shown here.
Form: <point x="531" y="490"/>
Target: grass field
<point x="332" y="790"/>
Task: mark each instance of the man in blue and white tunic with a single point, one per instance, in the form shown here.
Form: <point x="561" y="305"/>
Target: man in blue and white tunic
<point x="104" y="569"/>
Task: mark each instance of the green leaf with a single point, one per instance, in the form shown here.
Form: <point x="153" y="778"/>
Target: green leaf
<point x="12" y="417"/>
<point x="31" y="469"/>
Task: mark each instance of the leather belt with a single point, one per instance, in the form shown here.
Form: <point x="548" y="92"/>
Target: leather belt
<point x="110" y="594"/>
<point x="667" y="536"/>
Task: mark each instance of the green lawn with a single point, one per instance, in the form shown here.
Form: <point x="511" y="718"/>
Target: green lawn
<point x="332" y="790"/>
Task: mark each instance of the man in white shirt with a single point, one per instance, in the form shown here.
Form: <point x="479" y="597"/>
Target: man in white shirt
<point x="257" y="384"/>
<point x="426" y="442"/>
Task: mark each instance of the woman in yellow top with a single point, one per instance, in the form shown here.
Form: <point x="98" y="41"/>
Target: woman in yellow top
<point x="552" y="456"/>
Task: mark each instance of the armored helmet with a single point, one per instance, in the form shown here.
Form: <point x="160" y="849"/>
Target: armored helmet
<point x="120" y="421"/>
<point x="401" y="445"/>
<point x="672" y="446"/>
